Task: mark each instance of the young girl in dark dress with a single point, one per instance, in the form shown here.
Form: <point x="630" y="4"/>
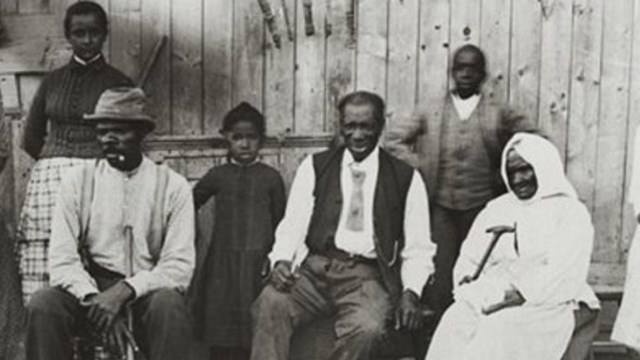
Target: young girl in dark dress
<point x="249" y="202"/>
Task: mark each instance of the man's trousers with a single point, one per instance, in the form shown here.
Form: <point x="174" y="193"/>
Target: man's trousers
<point x="161" y="325"/>
<point x="353" y="291"/>
<point x="449" y="228"/>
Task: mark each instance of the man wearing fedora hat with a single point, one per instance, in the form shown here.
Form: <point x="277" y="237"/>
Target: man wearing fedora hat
<point x="122" y="239"/>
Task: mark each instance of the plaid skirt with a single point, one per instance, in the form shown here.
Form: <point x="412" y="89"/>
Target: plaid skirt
<point x="34" y="228"/>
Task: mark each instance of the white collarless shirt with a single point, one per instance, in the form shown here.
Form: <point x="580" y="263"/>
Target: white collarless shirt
<point x="465" y="107"/>
<point x="418" y="252"/>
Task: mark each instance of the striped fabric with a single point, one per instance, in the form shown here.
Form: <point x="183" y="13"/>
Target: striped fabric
<point x="35" y="221"/>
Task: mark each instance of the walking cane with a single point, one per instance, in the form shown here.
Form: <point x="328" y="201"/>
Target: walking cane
<point x="128" y="231"/>
<point x="497" y="231"/>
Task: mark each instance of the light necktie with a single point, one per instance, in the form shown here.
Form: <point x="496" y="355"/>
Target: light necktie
<point x="355" y="217"/>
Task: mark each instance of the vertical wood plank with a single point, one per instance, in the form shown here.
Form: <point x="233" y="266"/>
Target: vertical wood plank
<point x="404" y="19"/>
<point x="186" y="70"/>
<point x="585" y="94"/>
<point x="279" y="74"/>
<point x="310" y="71"/>
<point x="156" y="17"/>
<point x="629" y="222"/>
<point x="616" y="56"/>
<point x="218" y="62"/>
<point x="494" y="40"/>
<point x="554" y="71"/>
<point x="433" y="62"/>
<point x="340" y="61"/>
<point x="628" y="215"/>
<point x="248" y="47"/>
<point x="465" y="22"/>
<point x="372" y="45"/>
<point x="525" y="56"/>
<point x="126" y="36"/>
<point x="106" y="5"/>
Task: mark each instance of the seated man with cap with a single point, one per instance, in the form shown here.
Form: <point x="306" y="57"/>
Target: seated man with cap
<point x="122" y="246"/>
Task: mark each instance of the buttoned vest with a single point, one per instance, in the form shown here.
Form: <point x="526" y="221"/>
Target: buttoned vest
<point x="392" y="186"/>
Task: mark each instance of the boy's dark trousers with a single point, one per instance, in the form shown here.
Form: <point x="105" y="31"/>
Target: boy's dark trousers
<point x="162" y="326"/>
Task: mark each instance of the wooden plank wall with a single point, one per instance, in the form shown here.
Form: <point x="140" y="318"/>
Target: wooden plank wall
<point x="570" y="64"/>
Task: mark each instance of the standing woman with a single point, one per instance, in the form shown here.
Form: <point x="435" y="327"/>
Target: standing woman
<point x="626" y="329"/>
<point x="56" y="135"/>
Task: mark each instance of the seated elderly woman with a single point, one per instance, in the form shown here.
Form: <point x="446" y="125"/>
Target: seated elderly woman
<point x="515" y="296"/>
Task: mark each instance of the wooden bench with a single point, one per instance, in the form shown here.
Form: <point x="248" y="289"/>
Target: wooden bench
<point x="603" y="347"/>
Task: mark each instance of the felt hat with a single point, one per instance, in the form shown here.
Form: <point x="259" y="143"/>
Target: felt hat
<point x="122" y="104"/>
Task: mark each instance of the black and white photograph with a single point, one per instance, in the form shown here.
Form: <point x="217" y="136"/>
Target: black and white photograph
<point x="319" y="179"/>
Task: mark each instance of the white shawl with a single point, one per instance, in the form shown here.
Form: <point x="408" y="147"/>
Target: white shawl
<point x="547" y="261"/>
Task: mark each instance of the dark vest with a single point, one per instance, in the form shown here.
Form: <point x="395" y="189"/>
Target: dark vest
<point x="392" y="185"/>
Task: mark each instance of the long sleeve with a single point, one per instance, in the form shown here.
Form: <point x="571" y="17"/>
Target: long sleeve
<point x="35" y="128"/>
<point x="402" y="135"/>
<point x="634" y="187"/>
<point x="65" y="266"/>
<point x="205" y="188"/>
<point x="278" y="201"/>
<point x="419" y="250"/>
<point x="560" y="276"/>
<point x="292" y="229"/>
<point x="175" y="267"/>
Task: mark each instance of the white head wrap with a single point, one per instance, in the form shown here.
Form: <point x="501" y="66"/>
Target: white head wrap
<point x="545" y="160"/>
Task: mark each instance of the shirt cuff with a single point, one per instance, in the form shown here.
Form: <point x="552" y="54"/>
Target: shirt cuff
<point x="139" y="283"/>
<point x="80" y="291"/>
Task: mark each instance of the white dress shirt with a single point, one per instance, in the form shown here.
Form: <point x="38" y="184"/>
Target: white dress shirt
<point x="120" y="199"/>
<point x="417" y="254"/>
<point x="465" y="107"/>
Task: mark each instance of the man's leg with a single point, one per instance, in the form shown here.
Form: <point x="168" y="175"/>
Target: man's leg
<point x="587" y="325"/>
<point x="52" y="315"/>
<point x="445" y="234"/>
<point x="449" y="229"/>
<point x="364" y="311"/>
<point x="163" y="325"/>
<point x="275" y="315"/>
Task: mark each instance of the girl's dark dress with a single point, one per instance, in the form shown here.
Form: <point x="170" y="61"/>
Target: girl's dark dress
<point x="249" y="203"/>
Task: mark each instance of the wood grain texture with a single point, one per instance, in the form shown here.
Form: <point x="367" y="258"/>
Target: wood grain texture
<point x="465" y="22"/>
<point x="402" y="62"/>
<point x="433" y="60"/>
<point x="494" y="41"/>
<point x="584" y="106"/>
<point x="248" y="53"/>
<point x="218" y="63"/>
<point x="126" y="36"/>
<point x="310" y="72"/>
<point x="555" y="71"/>
<point x="156" y="24"/>
<point x="186" y="67"/>
<point x="340" y="60"/>
<point x="612" y="129"/>
<point x="279" y="95"/>
<point x="629" y="222"/>
<point x="525" y="56"/>
<point x="371" y="70"/>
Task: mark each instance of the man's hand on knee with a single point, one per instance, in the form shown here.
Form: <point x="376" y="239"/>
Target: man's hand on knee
<point x="282" y="278"/>
<point x="408" y="313"/>
<point x="104" y="307"/>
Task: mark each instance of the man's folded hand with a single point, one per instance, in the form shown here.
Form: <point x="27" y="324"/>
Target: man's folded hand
<point x="408" y="314"/>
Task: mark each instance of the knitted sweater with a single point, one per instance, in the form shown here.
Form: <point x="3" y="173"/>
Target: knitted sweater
<point x="54" y="127"/>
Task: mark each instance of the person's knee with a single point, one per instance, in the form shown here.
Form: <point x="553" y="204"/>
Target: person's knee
<point x="166" y="301"/>
<point x="271" y="303"/>
<point x="48" y="301"/>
